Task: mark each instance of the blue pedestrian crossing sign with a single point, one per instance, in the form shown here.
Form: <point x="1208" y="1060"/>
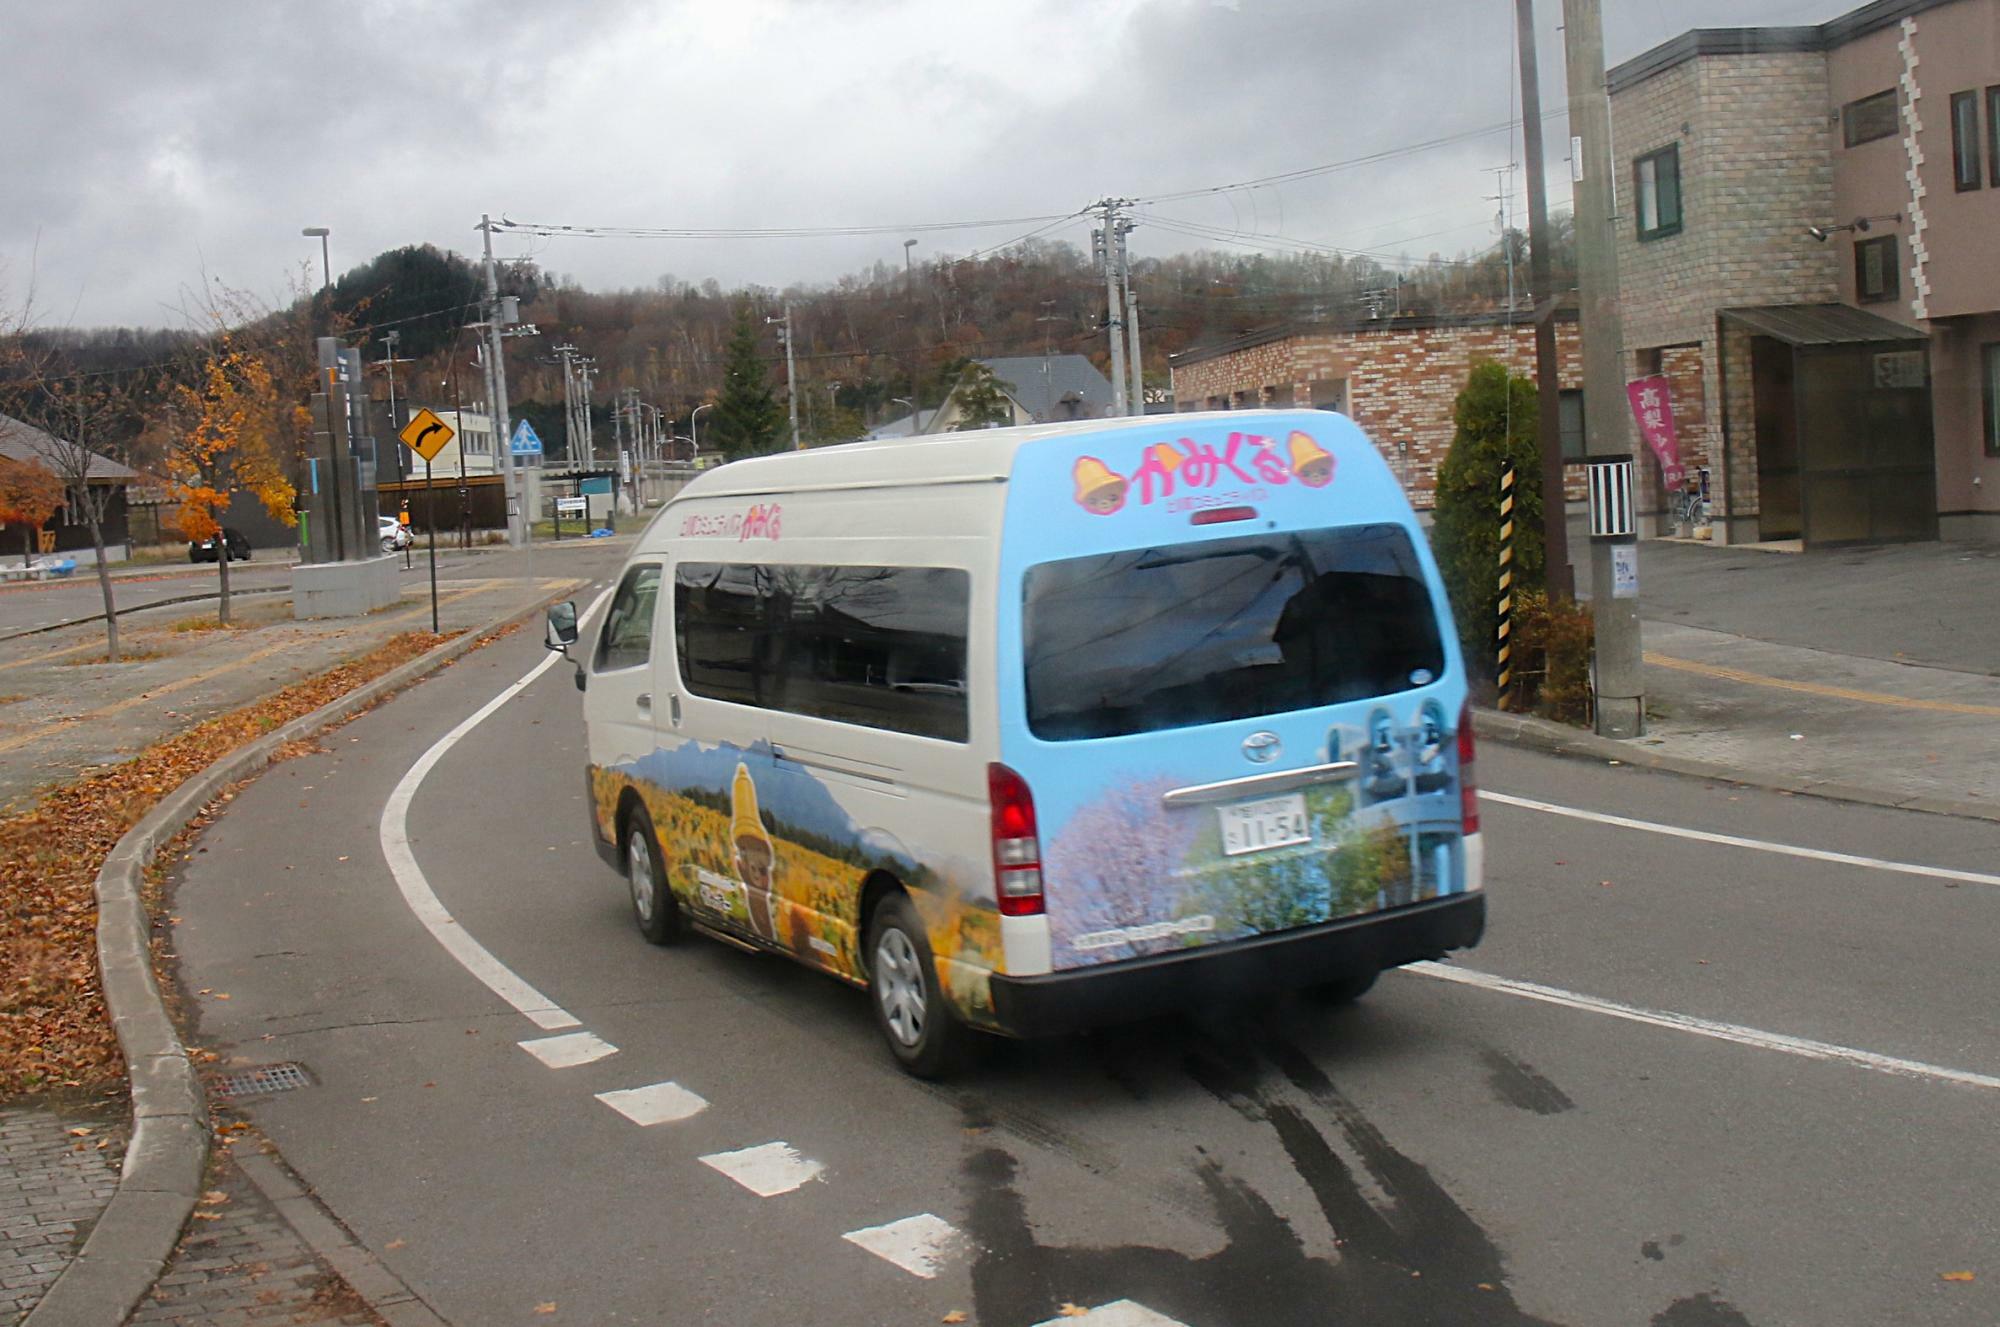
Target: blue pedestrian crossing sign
<point x="525" y="442"/>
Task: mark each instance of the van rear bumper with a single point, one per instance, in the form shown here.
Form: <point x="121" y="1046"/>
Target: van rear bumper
<point x="1120" y="992"/>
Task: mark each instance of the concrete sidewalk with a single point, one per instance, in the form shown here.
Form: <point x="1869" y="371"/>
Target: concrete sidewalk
<point x="1866" y="674"/>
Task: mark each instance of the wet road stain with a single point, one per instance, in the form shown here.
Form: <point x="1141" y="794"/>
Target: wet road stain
<point x="1517" y="1084"/>
<point x="1405" y="1251"/>
<point x="1700" y="1311"/>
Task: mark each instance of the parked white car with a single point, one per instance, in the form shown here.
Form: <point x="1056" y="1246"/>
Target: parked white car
<point x="395" y="535"/>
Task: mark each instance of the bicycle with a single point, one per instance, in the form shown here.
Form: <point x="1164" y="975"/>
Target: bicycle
<point x="1687" y="508"/>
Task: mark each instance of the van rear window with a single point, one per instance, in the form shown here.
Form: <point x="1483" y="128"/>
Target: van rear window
<point x="1154" y="638"/>
<point x="879" y="646"/>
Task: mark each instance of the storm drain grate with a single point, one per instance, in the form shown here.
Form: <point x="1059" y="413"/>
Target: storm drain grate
<point x="263" y="1080"/>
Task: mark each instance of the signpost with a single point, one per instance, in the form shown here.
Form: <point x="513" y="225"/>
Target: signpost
<point x="525" y="441"/>
<point x="426" y="435"/>
<point x="576" y="506"/>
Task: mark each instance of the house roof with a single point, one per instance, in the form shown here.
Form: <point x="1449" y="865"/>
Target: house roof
<point x="25" y="442"/>
<point x="1041" y="385"/>
<point x="1697" y="42"/>
<point x="1822" y="324"/>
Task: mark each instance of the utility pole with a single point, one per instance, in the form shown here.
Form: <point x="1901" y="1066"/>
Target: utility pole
<point x="389" y="362"/>
<point x="1543" y="298"/>
<point x="566" y="355"/>
<point x="916" y="343"/>
<point x="791" y="377"/>
<point x="1619" y="675"/>
<point x="496" y="368"/>
<point x="1135" y="364"/>
<point x="1104" y="241"/>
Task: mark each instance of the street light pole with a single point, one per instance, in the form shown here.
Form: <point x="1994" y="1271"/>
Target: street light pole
<point x="694" y="432"/>
<point x="325" y="262"/>
<point x="910" y="295"/>
<point x="517" y="516"/>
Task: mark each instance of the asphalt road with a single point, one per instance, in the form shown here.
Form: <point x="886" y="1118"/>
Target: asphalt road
<point x="1442" y="1153"/>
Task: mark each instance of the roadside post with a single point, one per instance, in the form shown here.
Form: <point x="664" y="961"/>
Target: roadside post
<point x="1503" y="627"/>
<point x="403" y="515"/>
<point x="426" y="435"/>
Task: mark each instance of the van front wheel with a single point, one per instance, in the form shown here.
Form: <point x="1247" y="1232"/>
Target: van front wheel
<point x="653" y="905"/>
<point x="910" y="1008"/>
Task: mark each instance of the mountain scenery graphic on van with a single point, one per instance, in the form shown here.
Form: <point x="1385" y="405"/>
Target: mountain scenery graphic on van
<point x="1127" y="875"/>
<point x="761" y="848"/>
<point x="1186" y="474"/>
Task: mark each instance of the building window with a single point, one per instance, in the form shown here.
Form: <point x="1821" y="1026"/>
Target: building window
<point x="1656" y="179"/>
<point x="1993" y="136"/>
<point x="1875" y="273"/>
<point x="1989" y="375"/>
<point x="1570" y="413"/>
<point x="1965" y="153"/>
<point x="1870" y="118"/>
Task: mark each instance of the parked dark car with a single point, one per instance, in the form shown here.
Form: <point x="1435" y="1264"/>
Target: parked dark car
<point x="233" y="540"/>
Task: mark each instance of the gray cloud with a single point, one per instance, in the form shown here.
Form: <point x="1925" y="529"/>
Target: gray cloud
<point x="149" y="143"/>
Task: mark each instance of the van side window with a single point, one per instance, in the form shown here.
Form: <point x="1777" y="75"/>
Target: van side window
<point x="883" y="647"/>
<point x="627" y="639"/>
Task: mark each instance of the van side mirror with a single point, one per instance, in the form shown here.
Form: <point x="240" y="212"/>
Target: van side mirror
<point x="562" y="627"/>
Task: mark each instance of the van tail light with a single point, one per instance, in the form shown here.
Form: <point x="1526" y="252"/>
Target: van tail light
<point x="1017" y="850"/>
<point x="1468" y="785"/>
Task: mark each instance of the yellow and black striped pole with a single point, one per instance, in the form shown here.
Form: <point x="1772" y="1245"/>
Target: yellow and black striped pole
<point x="1503" y="626"/>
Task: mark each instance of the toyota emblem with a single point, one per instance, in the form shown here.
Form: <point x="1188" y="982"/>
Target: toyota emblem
<point x="1262" y="748"/>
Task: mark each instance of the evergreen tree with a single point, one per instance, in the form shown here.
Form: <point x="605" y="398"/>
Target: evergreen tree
<point x="747" y="414"/>
<point x="1496" y="418"/>
<point x="981" y="402"/>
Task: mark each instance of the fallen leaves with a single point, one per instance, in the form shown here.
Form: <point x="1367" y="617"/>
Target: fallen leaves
<point x="548" y="1306"/>
<point x="1956" y="1276"/>
<point x="956" y="1315"/>
<point x="1069" y="1310"/>
<point x="53" y="1027"/>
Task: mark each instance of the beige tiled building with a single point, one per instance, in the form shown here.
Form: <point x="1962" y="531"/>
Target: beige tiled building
<point x="1807" y="246"/>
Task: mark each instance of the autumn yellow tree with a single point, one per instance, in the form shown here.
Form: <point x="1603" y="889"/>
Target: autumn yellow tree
<point x="226" y="429"/>
<point x="30" y="493"/>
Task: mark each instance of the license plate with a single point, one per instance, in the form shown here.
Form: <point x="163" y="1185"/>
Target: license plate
<point x="1271" y="822"/>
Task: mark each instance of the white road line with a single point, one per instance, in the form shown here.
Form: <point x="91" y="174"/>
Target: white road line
<point x="768" y="1169"/>
<point x="1123" y="1313"/>
<point x="568" y="1049"/>
<point x="1702" y="1027"/>
<point x="395" y="833"/>
<point x="1733" y="841"/>
<point x="920" y="1245"/>
<point x="660" y="1103"/>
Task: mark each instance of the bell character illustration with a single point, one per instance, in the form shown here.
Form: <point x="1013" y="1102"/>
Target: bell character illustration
<point x="1312" y="463"/>
<point x="755" y="857"/>
<point x="1098" y="490"/>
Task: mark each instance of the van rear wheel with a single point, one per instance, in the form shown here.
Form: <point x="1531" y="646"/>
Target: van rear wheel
<point x="910" y="1009"/>
<point x="653" y="905"/>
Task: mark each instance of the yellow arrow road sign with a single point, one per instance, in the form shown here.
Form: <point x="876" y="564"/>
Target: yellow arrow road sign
<point x="426" y="434"/>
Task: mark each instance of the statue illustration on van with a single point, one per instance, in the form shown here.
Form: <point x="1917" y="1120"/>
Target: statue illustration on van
<point x="756" y="859"/>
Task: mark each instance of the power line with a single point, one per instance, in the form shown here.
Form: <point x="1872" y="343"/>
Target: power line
<point x="767" y="232"/>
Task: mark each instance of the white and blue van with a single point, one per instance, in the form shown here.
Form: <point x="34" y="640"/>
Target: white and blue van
<point x="1034" y="728"/>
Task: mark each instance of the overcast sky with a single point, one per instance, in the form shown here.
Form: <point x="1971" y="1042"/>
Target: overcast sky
<point x="148" y="143"/>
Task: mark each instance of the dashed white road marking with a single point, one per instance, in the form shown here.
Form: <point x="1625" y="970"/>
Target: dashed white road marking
<point x="568" y="1049"/>
<point x="1736" y="841"/>
<point x="1122" y="1313"/>
<point x="395" y="834"/>
<point x="658" y="1103"/>
<point x="1702" y="1027"/>
<point x="768" y="1169"/>
<point x="921" y="1245"/>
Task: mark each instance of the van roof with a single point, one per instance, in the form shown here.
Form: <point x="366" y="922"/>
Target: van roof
<point x="975" y="456"/>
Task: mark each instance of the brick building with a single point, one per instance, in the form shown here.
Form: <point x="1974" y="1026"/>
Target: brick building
<point x="1806" y="248"/>
<point x="1396" y="377"/>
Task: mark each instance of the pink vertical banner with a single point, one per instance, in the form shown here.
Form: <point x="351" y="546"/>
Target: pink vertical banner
<point x="1653" y="408"/>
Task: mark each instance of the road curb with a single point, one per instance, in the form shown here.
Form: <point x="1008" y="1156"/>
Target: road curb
<point x="1560" y="739"/>
<point x="162" y="1173"/>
